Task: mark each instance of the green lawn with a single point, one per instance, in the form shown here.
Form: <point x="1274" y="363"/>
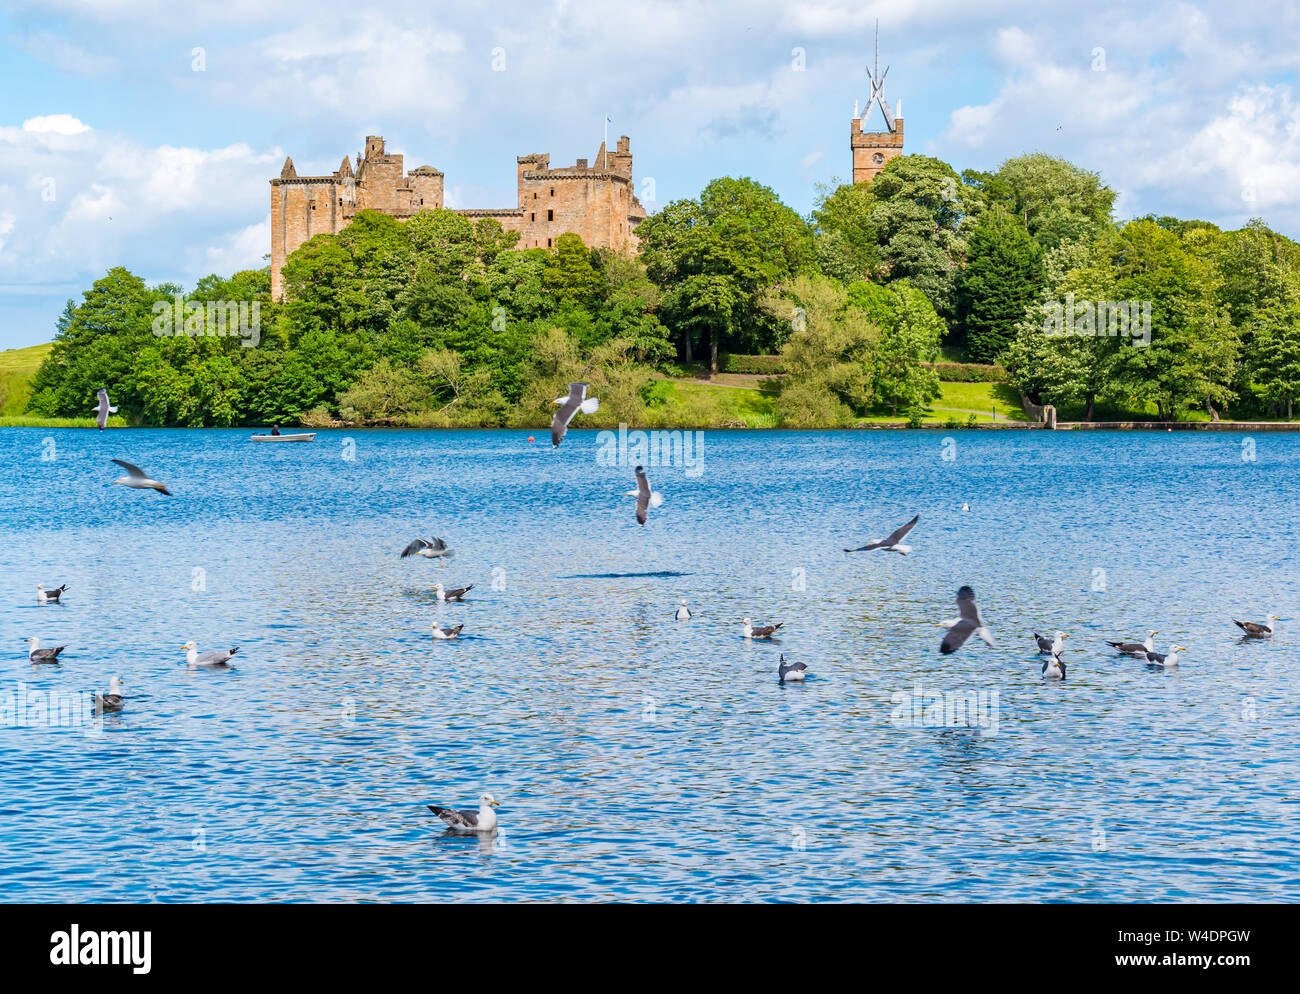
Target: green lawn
<point x="676" y="404"/>
<point x="699" y="405"/>
<point x="981" y="397"/>
<point x="17" y="367"/>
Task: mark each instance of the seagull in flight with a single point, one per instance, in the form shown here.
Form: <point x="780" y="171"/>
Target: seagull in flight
<point x="576" y="401"/>
<point x="138" y="479"/>
<point x="968" y="621"/>
<point x="102" y="408"/>
<point x="645" y="497"/>
<point x="434" y="548"/>
<point x="894" y="543"/>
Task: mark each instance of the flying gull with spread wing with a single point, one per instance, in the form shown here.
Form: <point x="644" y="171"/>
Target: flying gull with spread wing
<point x="968" y="622"/>
<point x="894" y="543"/>
<point x="645" y="497"/>
<point x="576" y="401"/>
<point x="429" y="548"/>
<point x="102" y="408"/>
<point x="138" y="479"/>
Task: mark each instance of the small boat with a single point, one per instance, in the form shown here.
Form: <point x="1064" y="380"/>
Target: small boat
<point x="304" y="437"/>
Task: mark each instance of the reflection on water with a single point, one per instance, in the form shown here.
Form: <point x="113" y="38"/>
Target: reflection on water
<point x="636" y="757"/>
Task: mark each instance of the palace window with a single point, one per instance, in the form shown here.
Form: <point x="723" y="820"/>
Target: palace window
<point x="548" y="243"/>
<point x="550" y="215"/>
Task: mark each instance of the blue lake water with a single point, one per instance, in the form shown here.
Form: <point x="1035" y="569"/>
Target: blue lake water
<point x="636" y="758"/>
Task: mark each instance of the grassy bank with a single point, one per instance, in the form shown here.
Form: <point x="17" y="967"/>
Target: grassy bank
<point x="17" y="367"/>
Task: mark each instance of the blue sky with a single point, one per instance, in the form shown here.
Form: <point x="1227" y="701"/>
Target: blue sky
<point x="120" y="145"/>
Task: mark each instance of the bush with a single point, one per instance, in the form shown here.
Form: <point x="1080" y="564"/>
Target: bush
<point x="759" y="365"/>
<point x="914" y="418"/>
<point x="970" y="372"/>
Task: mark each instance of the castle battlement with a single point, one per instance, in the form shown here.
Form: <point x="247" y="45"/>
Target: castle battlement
<point x="594" y="202"/>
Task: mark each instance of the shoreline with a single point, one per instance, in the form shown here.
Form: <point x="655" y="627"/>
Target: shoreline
<point x="1007" y="425"/>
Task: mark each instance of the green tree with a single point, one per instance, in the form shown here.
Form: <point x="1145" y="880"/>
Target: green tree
<point x="922" y="215"/>
<point x="829" y="355"/>
<point x="844" y="236"/>
<point x="713" y="258"/>
<point x="1055" y="200"/>
<point x="904" y="375"/>
<point x="1000" y="281"/>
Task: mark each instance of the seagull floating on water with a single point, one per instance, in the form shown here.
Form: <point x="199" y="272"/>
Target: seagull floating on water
<point x="138" y="479"/>
<point x="1055" y="645"/>
<point x="455" y="594"/>
<point x="113" y="700"/>
<point x="794" y="671"/>
<point x="576" y="401"/>
<point x="44" y="596"/>
<point x="683" y="613"/>
<point x="467" y="820"/>
<point x="968" y="621"/>
<point x="1258" y="631"/>
<point x="102" y="408"/>
<point x="1165" y="659"/>
<point x="645" y="497"/>
<point x="447" y="633"/>
<point x="1054" y="667"/>
<point x="894" y="542"/>
<point x="1138" y="650"/>
<point x="965" y="506"/>
<point x="214" y="659"/>
<point x="429" y="548"/>
<point x="38" y="655"/>
<point x="762" y="632"/>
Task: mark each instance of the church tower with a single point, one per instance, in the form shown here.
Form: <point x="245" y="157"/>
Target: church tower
<point x="872" y="149"/>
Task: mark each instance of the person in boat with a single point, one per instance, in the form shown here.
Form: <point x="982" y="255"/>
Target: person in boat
<point x="275" y="429"/>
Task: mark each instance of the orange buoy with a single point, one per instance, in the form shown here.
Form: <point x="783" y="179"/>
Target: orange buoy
<point x="530" y="438"/>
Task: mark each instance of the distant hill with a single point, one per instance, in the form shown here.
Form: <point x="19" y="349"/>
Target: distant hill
<point x="17" y="367"/>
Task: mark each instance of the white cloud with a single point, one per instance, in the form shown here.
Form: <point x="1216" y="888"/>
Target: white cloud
<point x="59" y="124"/>
<point x="86" y="200"/>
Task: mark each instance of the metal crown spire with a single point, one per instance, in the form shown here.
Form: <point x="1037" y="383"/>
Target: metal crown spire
<point x="878" y="88"/>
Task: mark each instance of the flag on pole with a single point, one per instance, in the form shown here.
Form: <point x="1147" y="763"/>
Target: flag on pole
<point x="604" y="145"/>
